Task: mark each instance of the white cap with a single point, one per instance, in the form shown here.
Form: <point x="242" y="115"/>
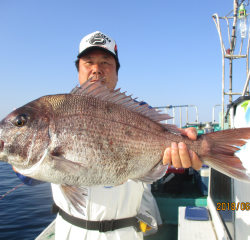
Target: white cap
<point x="98" y="40"/>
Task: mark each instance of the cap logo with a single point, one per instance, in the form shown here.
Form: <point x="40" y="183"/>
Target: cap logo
<point x="99" y="39"/>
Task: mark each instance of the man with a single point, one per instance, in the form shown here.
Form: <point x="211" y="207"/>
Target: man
<point x="97" y="59"/>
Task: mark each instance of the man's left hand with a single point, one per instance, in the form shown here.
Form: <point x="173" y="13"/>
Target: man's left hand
<point x="179" y="156"/>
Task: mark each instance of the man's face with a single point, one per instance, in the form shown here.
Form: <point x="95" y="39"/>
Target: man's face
<point x="99" y="64"/>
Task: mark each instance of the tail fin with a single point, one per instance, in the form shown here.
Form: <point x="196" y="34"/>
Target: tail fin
<point x="220" y="148"/>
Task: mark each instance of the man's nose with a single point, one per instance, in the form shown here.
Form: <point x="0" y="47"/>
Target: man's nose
<point x="97" y="69"/>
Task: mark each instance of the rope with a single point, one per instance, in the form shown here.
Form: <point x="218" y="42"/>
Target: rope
<point x="11" y="190"/>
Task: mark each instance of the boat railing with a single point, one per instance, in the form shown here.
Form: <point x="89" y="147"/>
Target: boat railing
<point x="179" y="106"/>
<point x="217" y="105"/>
<point x="187" y="123"/>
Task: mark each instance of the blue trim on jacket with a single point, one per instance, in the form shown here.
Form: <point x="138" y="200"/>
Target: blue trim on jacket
<point x="28" y="180"/>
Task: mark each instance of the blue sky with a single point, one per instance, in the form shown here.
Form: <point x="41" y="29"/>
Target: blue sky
<point x="169" y="50"/>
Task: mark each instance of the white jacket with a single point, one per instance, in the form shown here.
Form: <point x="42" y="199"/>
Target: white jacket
<point x="103" y="203"/>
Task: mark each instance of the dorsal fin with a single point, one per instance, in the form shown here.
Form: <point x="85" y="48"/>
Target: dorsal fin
<point x="101" y="91"/>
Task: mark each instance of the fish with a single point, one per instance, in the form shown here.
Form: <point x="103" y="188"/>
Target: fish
<point x="97" y="137"/>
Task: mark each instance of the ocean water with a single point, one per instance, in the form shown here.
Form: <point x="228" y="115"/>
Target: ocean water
<point x="24" y="212"/>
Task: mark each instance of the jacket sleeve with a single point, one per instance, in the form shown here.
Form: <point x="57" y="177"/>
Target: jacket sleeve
<point x="27" y="180"/>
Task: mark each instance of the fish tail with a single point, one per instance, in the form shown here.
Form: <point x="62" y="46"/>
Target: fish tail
<point x="219" y="148"/>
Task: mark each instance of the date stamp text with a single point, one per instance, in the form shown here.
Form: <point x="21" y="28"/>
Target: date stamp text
<point x="223" y="206"/>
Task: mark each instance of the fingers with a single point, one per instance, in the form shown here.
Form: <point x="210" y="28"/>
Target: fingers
<point x="179" y="156"/>
<point x="176" y="161"/>
<point x="196" y="163"/>
<point x="184" y="155"/>
<point x="167" y="157"/>
<point x="189" y="132"/>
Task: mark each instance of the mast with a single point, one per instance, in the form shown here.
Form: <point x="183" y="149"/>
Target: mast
<point x="229" y="53"/>
<point x="232" y="47"/>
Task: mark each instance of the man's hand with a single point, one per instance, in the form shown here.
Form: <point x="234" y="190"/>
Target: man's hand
<point x="178" y="156"/>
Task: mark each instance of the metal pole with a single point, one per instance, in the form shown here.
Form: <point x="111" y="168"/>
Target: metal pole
<point x="230" y="79"/>
<point x="217" y="23"/>
<point x="214" y="109"/>
<point x="174" y="115"/>
<point x="241" y="45"/>
<point x="246" y="84"/>
<point x="223" y="89"/>
<point x="247" y="93"/>
<point x="180" y="118"/>
<point x="232" y="47"/>
<point x="166" y="111"/>
<point x="187" y="113"/>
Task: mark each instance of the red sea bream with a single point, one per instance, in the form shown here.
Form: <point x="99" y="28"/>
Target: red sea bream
<point x="94" y="137"/>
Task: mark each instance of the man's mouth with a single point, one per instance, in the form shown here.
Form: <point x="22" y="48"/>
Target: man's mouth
<point x="95" y="80"/>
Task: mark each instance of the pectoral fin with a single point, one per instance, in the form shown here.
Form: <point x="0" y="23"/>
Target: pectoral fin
<point x="59" y="163"/>
<point x="77" y="197"/>
<point x="156" y="173"/>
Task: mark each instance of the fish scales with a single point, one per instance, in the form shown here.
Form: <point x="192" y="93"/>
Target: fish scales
<point x="115" y="141"/>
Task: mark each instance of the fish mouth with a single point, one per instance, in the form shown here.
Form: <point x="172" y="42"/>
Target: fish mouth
<point x="1" y="145"/>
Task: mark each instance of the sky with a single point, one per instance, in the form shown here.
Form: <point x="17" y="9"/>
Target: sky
<point x="169" y="51"/>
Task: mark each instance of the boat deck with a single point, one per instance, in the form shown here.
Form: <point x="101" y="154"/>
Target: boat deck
<point x="168" y="205"/>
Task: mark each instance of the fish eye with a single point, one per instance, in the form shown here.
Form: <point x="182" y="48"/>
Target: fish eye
<point x="20" y="121"/>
